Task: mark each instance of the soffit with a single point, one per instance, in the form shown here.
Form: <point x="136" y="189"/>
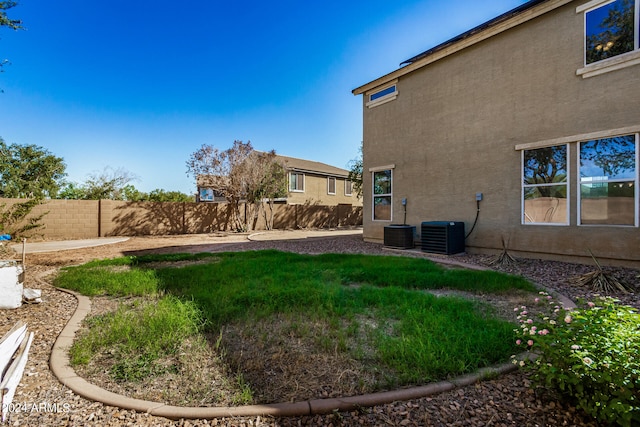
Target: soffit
<point x="504" y="22"/>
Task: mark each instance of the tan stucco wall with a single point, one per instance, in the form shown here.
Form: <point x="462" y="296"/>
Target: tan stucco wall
<point x="316" y="193"/>
<point x="453" y="129"/>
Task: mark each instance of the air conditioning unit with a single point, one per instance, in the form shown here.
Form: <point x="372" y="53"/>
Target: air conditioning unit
<point x="399" y="236"/>
<point x="442" y="237"/>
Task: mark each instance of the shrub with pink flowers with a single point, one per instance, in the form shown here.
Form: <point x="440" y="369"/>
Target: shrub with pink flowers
<point x="590" y="355"/>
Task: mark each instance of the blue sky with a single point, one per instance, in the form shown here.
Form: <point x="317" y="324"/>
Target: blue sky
<point x="142" y="84"/>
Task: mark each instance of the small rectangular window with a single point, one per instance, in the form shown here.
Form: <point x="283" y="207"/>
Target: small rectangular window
<point x="544" y="186"/>
<point x="331" y="185"/>
<point x="383" y="92"/>
<point x="296" y="182"/>
<point x="206" y="194"/>
<point x="382" y="198"/>
<point x="608" y="180"/>
<point x="383" y="95"/>
<point x="610" y="30"/>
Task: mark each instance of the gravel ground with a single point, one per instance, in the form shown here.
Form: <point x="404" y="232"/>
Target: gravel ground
<point x="505" y="401"/>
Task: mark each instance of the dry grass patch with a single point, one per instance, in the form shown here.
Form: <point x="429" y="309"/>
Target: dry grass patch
<point x="285" y="359"/>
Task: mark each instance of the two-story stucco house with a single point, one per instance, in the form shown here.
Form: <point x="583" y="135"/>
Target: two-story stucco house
<point x="536" y="113"/>
<point x="318" y="183"/>
<point x="309" y="182"/>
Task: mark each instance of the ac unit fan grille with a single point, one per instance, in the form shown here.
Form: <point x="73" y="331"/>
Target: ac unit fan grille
<point x="442" y="237"/>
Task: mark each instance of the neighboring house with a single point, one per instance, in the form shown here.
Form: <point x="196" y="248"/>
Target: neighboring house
<point x="309" y="182"/>
<point x="318" y="183"/>
<point x="536" y="112"/>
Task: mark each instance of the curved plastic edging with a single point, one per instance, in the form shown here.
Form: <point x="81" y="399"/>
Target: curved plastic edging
<point x="59" y="363"/>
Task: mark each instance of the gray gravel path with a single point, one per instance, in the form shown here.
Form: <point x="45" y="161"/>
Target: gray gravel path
<point x="505" y="401"/>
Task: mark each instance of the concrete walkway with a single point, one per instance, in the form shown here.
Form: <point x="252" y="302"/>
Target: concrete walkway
<point x="302" y="234"/>
<point x="64" y="245"/>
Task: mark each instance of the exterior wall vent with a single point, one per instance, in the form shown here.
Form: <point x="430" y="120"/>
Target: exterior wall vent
<point x="442" y="237"/>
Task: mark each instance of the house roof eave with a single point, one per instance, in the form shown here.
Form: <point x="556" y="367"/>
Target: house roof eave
<point x="526" y="12"/>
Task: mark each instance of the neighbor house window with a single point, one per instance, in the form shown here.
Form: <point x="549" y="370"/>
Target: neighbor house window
<point x="382" y="195"/>
<point x="331" y="185"/>
<point x="296" y="181"/>
<point x="348" y="188"/>
<point x="608" y="181"/>
<point x="544" y="185"/>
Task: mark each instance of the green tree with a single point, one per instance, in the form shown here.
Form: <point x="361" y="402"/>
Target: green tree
<point x="355" y="173"/>
<point x="15" y="219"/>
<point x="5" y="21"/>
<point x="160" y="195"/>
<point x="110" y="184"/>
<point x="131" y="194"/>
<point x="270" y="178"/>
<point x="72" y="191"/>
<point x="29" y="171"/>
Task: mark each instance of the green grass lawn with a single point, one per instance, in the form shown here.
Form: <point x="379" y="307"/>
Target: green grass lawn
<point x="373" y="309"/>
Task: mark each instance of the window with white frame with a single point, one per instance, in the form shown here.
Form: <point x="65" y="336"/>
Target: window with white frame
<point x="331" y="185"/>
<point x="382" y="197"/>
<point x="296" y="182"/>
<point x="611" y="28"/>
<point x="205" y="194"/>
<point x="544" y="185"/>
<point x="382" y="95"/>
<point x="348" y="188"/>
<point x="608" y="171"/>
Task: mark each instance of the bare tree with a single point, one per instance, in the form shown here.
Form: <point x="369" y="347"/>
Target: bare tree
<point x="269" y="182"/>
<point x="108" y="184"/>
<point x="239" y="174"/>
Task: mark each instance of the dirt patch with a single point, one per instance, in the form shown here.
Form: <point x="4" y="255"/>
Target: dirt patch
<point x="284" y="362"/>
<point x="177" y="264"/>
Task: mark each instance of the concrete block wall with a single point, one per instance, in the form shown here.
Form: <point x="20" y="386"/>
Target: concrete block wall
<point x="86" y="219"/>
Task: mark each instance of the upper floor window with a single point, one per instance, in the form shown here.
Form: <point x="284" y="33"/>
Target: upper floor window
<point x="382" y="95"/>
<point x="296" y="181"/>
<point x="608" y="181"/>
<point x="331" y="185"/>
<point x="544" y="185"/>
<point x="348" y="188"/>
<point x="611" y="29"/>
<point x="205" y="194"/>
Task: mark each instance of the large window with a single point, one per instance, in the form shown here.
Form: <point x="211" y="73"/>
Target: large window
<point x="611" y="29"/>
<point x="544" y="185"/>
<point x="382" y="195"/>
<point x="296" y="182"/>
<point x="608" y="181"/>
